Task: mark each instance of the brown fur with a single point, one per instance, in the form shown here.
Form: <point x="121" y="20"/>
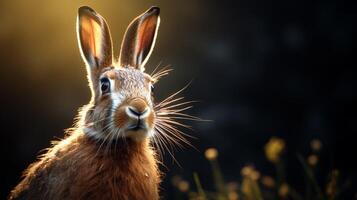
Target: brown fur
<point x="120" y="117"/>
<point x="139" y="104"/>
<point x="75" y="169"/>
<point x="102" y="158"/>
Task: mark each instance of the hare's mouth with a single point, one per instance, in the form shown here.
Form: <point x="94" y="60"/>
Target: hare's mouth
<point x="137" y="126"/>
<point x="138" y="133"/>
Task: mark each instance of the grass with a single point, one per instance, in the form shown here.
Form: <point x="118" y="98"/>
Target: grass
<point x="254" y="185"/>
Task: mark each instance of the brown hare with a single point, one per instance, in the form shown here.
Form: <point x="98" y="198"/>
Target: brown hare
<point x="109" y="154"/>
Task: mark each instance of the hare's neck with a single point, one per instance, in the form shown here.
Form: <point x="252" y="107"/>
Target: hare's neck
<point x="129" y="164"/>
<point x="99" y="148"/>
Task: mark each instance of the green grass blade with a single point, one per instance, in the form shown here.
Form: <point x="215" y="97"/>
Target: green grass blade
<point x="310" y="175"/>
<point x="200" y="190"/>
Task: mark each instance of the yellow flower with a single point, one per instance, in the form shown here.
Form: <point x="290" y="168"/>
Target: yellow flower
<point x="250" y="172"/>
<point x="316" y="145"/>
<point x="211" y="153"/>
<point x="284" y="190"/>
<point x="247" y="171"/>
<point x="268" y="181"/>
<point x="233" y="196"/>
<point x="312" y="160"/>
<point x="255" y="175"/>
<point x="183" y="186"/>
<point x="274" y="148"/>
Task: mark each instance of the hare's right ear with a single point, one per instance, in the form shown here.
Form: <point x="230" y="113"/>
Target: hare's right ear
<point x="94" y="41"/>
<point x="139" y="39"/>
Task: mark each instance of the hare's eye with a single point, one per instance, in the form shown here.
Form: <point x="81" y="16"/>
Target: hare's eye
<point x="105" y="85"/>
<point x="152" y="88"/>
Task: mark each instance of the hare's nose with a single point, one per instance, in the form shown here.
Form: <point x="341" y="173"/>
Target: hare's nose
<point x="133" y="112"/>
<point x="137" y="108"/>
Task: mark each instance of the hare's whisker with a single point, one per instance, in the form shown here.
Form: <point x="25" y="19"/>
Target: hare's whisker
<point x="168" y="149"/>
<point x="157" y="66"/>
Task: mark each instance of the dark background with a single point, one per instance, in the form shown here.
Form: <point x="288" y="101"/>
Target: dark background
<point x="260" y="69"/>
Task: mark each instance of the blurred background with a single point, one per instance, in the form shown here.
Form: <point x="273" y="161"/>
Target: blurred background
<point x="258" y="68"/>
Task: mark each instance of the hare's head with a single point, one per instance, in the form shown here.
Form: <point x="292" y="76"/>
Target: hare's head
<point x="121" y="104"/>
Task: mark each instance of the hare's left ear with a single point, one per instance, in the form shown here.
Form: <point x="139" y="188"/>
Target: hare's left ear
<point x="139" y="39"/>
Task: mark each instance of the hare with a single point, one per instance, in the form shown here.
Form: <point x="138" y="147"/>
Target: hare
<point x="109" y="154"/>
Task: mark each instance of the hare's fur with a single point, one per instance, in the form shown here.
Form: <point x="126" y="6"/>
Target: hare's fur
<point x="74" y="169"/>
<point x="108" y="154"/>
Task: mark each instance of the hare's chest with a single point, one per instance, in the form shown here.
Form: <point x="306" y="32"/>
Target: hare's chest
<point x="120" y="179"/>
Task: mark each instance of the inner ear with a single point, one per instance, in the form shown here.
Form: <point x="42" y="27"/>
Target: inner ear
<point x="94" y="39"/>
<point x="139" y="39"/>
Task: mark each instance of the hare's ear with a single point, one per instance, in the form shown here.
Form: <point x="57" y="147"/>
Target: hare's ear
<point x="94" y="40"/>
<point x="139" y="39"/>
